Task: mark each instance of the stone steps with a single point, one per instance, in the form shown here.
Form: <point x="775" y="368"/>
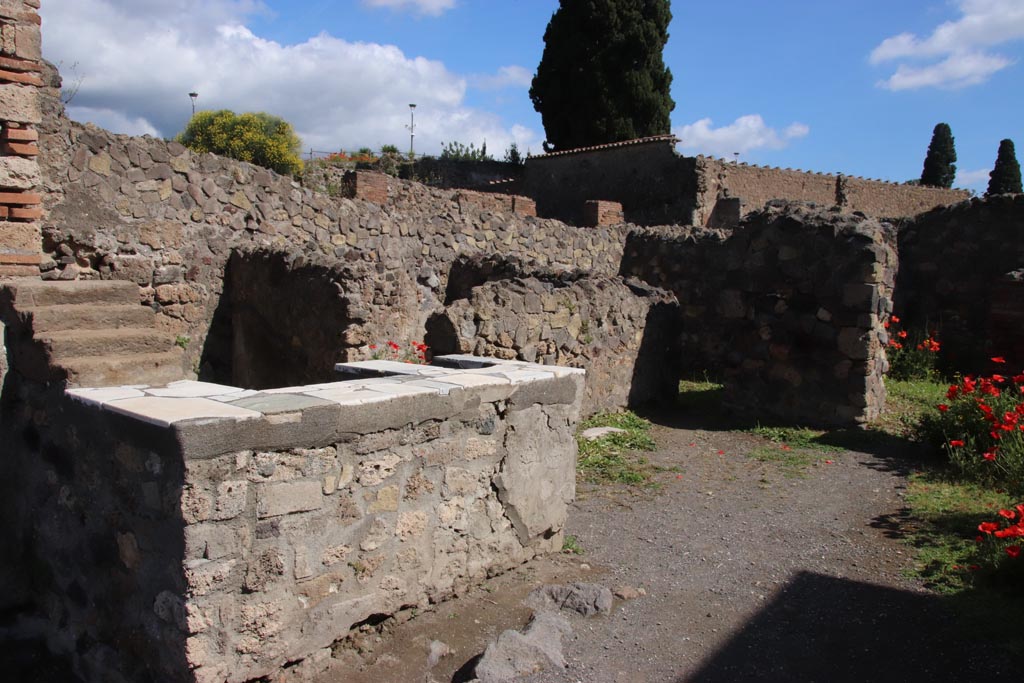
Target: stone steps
<point x="154" y="369"/>
<point x="79" y="317"/>
<point x="87" y="333"/>
<point x="79" y="343"/>
<point x="37" y="293"/>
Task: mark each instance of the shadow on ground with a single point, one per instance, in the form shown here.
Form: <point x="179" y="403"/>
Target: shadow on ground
<point x="703" y="409"/>
<point x="821" y="628"/>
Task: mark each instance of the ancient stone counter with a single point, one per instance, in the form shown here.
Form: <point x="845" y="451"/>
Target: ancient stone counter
<point x="213" y="533"/>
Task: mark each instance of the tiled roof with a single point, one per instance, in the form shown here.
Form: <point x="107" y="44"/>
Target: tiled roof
<point x="625" y="143"/>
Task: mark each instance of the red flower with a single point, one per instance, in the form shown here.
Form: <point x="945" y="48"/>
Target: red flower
<point x="373" y="347"/>
<point x="894" y="319"/>
<point x="942" y="407"/>
<point x="989" y="456"/>
<point x="956" y="443"/>
<point x="902" y="334"/>
<point x="1013" y="551"/>
<point x="988" y="527"/>
<point x="1009" y="514"/>
<point x="998" y="359"/>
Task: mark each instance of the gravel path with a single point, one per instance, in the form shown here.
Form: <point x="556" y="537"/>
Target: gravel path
<point x="750" y="574"/>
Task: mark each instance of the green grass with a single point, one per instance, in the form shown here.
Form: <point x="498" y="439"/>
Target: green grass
<point x="700" y="394"/>
<point x="571" y="545"/>
<point x="614" y="458"/>
<point x="907" y="401"/>
<point x="793" y="449"/>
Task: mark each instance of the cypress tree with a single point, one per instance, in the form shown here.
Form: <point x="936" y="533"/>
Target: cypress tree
<point x="601" y="78"/>
<point x="939" y="167"/>
<point x="1005" y="177"/>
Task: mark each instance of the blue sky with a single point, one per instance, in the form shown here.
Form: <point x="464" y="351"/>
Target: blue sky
<point x="853" y="87"/>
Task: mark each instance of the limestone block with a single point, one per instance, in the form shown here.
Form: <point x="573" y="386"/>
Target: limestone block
<point x="537" y="479"/>
<point x="17" y="173"/>
<point x="20" y="103"/>
<point x="20" y="237"/>
<point x="283" y="498"/>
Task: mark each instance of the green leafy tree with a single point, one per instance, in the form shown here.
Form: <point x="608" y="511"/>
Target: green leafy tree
<point x="456" y="151"/>
<point x="513" y="155"/>
<point x="939" y="165"/>
<point x="258" y="138"/>
<point x="1005" y="177"/>
<point x="601" y="78"/>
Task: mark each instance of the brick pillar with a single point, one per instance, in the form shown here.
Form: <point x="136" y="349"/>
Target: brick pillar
<point x="598" y="212"/>
<point x="367" y="185"/>
<point x="20" y="112"/>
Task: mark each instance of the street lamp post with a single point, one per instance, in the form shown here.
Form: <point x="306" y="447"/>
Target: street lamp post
<point x="412" y="129"/>
<point x="193" y="95"/>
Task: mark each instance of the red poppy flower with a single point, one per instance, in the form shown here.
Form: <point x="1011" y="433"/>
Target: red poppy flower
<point x="942" y="407"/>
<point x="989" y="456"/>
<point x="1013" y="551"/>
<point x="988" y="527"/>
<point x="373" y="347"/>
<point x="894" y="319"/>
<point x="1009" y="514"/>
<point x="998" y="359"/>
<point x="956" y="443"/>
<point x="902" y="334"/>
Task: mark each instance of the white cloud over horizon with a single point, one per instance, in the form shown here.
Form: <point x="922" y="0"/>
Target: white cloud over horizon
<point x="960" y="46"/>
<point x="973" y="179"/>
<point x="432" y="8"/>
<point x="512" y="76"/>
<point x="743" y="135"/>
<point x="139" y="59"/>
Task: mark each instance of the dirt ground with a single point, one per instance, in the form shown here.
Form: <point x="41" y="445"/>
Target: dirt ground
<point x="750" y="573"/>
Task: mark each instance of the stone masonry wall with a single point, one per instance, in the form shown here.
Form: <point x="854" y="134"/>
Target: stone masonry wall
<point x="20" y="116"/>
<point x="952" y="262"/>
<point x="656" y="186"/>
<point x="789" y="306"/>
<point x="204" y="532"/>
<point x="624" y="333"/>
<point x="155" y="213"/>
<point x="757" y="185"/>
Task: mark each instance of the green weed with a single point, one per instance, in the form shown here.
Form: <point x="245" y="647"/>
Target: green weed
<point x="614" y="457"/>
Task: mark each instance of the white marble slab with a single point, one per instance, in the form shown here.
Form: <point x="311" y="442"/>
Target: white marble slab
<point x="165" y="411"/>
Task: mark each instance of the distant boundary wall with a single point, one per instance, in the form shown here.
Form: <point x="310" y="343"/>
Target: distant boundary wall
<point x="657" y="186"/>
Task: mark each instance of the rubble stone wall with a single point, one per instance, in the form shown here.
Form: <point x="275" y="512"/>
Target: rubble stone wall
<point x="624" y="333"/>
<point x="657" y="186"/>
<point x="952" y="265"/>
<point x="208" y="533"/>
<point x="789" y="307"/>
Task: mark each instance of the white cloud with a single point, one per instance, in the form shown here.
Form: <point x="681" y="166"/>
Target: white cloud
<point x="112" y="120"/>
<point x="139" y="59"/>
<point x="507" y="77"/>
<point x="973" y="179"/>
<point x="432" y="7"/>
<point x="959" y="70"/>
<point x="742" y="135"/>
<point x="983" y="24"/>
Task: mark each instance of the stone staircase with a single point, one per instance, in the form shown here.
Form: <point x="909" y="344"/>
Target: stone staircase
<point x="88" y="333"/>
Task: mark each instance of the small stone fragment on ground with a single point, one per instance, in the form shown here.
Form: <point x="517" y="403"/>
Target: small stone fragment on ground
<point x="516" y="654"/>
<point x="438" y="651"/>
<point x="629" y="593"/>
<point x="595" y="433"/>
<point x="585" y="599"/>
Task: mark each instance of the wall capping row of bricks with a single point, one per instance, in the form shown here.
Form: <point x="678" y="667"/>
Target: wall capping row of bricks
<point x="20" y="201"/>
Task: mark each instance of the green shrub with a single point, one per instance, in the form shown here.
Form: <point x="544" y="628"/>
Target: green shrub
<point x="258" y="138"/>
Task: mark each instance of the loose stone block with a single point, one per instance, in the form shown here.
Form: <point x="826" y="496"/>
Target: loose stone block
<point x="285" y="498"/>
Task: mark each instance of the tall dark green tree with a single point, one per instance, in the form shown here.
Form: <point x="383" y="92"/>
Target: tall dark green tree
<point x="1005" y="177"/>
<point x="940" y="163"/>
<point x="601" y="78"/>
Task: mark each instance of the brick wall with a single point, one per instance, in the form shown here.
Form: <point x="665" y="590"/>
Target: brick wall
<point x="20" y="113"/>
<point x="597" y="212"/>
